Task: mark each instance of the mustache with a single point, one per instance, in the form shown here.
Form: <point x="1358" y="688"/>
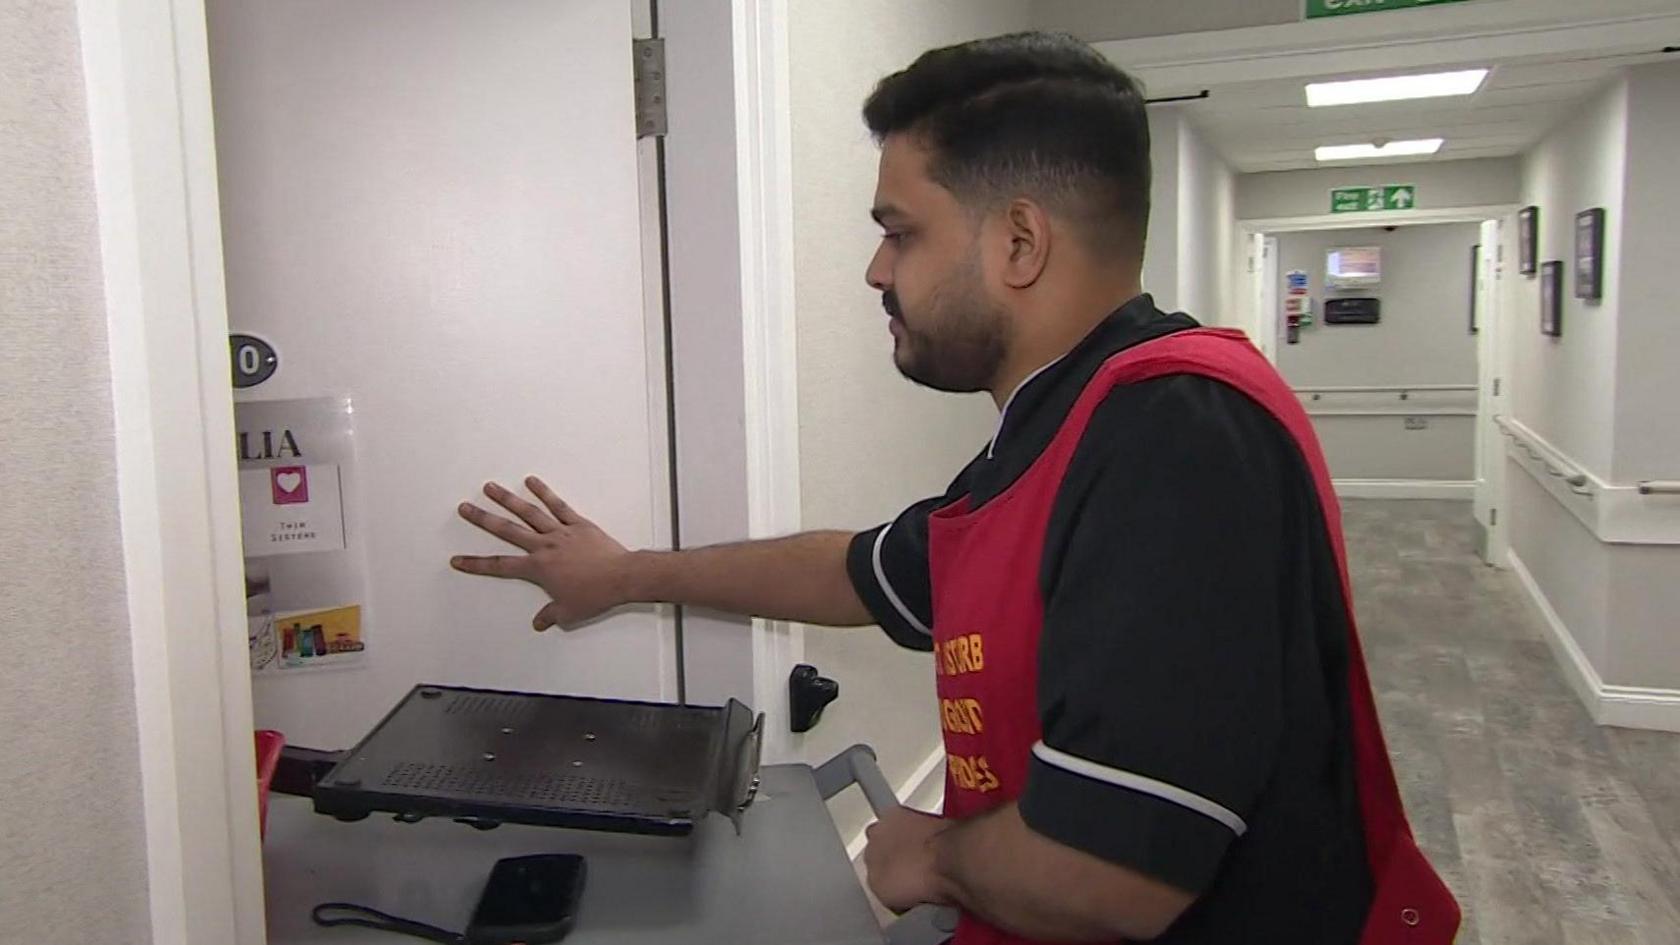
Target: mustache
<point x="889" y="301"/>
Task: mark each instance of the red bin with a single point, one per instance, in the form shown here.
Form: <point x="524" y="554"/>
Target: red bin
<point x="269" y="744"/>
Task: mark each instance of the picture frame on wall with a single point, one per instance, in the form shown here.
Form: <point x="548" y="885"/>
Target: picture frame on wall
<point x="1475" y="262"/>
<point x="1589" y="254"/>
<point x="1551" y="298"/>
<point x="1528" y="237"/>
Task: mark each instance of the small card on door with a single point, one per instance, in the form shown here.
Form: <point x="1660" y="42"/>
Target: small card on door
<point x="291" y="509"/>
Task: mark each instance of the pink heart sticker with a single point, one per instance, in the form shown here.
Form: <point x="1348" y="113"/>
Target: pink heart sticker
<point x="290" y="485"/>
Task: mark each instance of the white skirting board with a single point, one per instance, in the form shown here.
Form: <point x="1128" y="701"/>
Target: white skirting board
<point x="923" y="790"/>
<point x="1623" y="706"/>
<point x="1405" y="489"/>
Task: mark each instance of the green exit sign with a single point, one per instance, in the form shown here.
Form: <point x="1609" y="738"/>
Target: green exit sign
<point x="1318" y="8"/>
<point x="1373" y="199"/>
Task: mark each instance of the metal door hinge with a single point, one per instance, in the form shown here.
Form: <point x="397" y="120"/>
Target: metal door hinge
<point x="1493" y="517"/>
<point x="648" y="58"/>
<point x="1496" y="387"/>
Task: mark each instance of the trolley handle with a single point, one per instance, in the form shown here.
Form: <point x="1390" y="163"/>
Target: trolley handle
<point x="856" y="765"/>
<point x="923" y="925"/>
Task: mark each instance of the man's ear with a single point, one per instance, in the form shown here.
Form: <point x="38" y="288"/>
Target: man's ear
<point x="1027" y="228"/>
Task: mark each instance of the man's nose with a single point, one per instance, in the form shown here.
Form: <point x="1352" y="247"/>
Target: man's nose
<point x="878" y="274"/>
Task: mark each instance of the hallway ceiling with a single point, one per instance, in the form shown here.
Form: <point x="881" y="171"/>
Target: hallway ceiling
<point x="1267" y="126"/>
<point x="1255" y="57"/>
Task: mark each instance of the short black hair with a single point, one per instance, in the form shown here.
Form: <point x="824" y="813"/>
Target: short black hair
<point x="1041" y="115"/>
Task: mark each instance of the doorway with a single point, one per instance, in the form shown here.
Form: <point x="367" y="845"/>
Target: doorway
<point x="150" y="102"/>
<point x="1402" y="374"/>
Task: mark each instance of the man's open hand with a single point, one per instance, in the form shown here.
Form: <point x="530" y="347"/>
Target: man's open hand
<point x="580" y="566"/>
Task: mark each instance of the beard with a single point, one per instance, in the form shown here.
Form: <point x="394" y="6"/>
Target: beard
<point x="957" y="342"/>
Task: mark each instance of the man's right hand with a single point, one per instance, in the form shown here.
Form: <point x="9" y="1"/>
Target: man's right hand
<point x="580" y="566"/>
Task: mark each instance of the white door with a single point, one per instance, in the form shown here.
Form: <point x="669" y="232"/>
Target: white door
<point x="1264" y="324"/>
<point x="432" y="207"/>
<point x="1492" y="396"/>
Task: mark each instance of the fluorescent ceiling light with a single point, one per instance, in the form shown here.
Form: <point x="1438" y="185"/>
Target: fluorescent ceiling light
<point x="1394" y="88"/>
<point x="1353" y="152"/>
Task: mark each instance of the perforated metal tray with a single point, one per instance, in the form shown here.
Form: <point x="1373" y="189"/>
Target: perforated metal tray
<point x="489" y="757"/>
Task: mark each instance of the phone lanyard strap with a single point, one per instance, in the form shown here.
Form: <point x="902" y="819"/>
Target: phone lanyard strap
<point x="329" y="914"/>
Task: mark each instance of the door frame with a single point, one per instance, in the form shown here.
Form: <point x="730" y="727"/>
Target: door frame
<point x="147" y="74"/>
<point x="1263" y="323"/>
<point x="146" y="68"/>
<point x="1494" y="390"/>
<point x="1261" y="319"/>
<point x="769" y="336"/>
<point x="1262" y="296"/>
<point x="729" y="235"/>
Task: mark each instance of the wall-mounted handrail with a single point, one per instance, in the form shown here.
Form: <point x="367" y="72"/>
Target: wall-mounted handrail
<point x="1556" y="464"/>
<point x="1576" y="483"/>
<point x="1404" y="391"/>
<point x="1615" y="512"/>
<point x="1394" y="389"/>
<point x="1381" y="412"/>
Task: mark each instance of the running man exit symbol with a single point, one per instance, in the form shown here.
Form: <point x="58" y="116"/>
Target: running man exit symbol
<point x="1373" y="199"/>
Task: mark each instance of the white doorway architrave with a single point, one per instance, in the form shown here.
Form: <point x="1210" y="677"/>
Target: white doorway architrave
<point x="1260" y="318"/>
<point x="1263" y="324"/>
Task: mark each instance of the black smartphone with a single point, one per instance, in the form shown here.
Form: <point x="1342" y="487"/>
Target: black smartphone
<point x="529" y="899"/>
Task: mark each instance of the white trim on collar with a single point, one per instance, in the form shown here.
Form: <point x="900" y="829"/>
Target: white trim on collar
<point x="1004" y="413"/>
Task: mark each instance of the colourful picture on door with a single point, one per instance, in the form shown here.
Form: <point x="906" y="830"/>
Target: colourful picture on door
<point x="307" y="638"/>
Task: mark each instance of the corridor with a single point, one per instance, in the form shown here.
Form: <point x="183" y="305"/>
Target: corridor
<point x="1549" y="828"/>
<point x="658" y="308"/>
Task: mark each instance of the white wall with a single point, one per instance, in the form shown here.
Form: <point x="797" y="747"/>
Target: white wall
<point x="1161" y="243"/>
<point x="71" y="826"/>
<point x="1206" y="225"/>
<point x="1567" y="561"/>
<point x="1648" y="344"/>
<point x="1473" y="183"/>
<point x="1564" y="389"/>
<point x="1645" y="591"/>
<point x="1604" y="393"/>
<point x="1189" y="250"/>
<point x="870" y="442"/>
<point x="1423" y="338"/>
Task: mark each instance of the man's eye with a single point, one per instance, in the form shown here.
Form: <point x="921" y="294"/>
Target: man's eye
<point x="894" y="237"/>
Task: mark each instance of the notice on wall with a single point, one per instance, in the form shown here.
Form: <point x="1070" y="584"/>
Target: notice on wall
<point x="1297" y="306"/>
<point x="304" y="571"/>
<point x="292" y="510"/>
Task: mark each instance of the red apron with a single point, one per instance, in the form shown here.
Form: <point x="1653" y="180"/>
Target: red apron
<point x="988" y="613"/>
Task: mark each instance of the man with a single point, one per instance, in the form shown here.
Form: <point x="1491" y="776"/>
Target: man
<point x="1156" y="716"/>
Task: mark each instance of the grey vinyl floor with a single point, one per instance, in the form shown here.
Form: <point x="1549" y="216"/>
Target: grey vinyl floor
<point x="1549" y="828"/>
